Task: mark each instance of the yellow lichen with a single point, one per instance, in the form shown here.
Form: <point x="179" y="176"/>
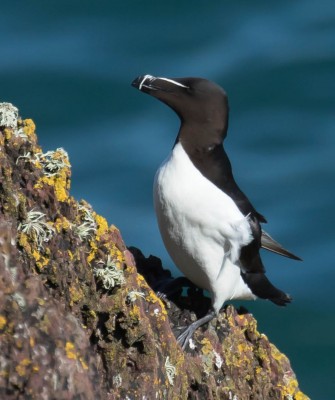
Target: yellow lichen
<point x="114" y="252"/>
<point x="40" y="301"/>
<point x="262" y="354"/>
<point x="3" y="321"/>
<point x="23" y="241"/>
<point x="76" y="294"/>
<point x="207" y="347"/>
<point x="83" y="363"/>
<point x="41" y="261"/>
<point x="134" y="313"/>
<point x="32" y="341"/>
<point x="59" y="182"/>
<point x="29" y="127"/>
<point x="8" y="133"/>
<point x="244" y="347"/>
<point x="21" y="368"/>
<point x="61" y="155"/>
<point x="151" y="297"/>
<point x="277" y="355"/>
<point x="300" y="396"/>
<point x="70" y="351"/>
<point x="244" y="352"/>
<point x="62" y="223"/>
<point x="258" y="370"/>
<point x="92" y="253"/>
<point x="290" y="388"/>
<point x="102" y="225"/>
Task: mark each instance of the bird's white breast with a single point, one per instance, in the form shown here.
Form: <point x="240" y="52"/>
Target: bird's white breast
<point x="202" y="228"/>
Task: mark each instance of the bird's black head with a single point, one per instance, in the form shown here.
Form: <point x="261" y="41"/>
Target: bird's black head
<point x="201" y="105"/>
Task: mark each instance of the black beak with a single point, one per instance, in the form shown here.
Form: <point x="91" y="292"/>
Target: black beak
<point x="144" y="82"/>
<point x="136" y="82"/>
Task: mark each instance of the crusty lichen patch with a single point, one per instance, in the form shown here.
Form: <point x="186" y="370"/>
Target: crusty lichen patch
<point x="29" y="128"/>
<point x="3" y="321"/>
<point x="70" y="351"/>
<point x="56" y="167"/>
<point x="21" y="368"/>
<point x="8" y="115"/>
<point x="109" y="274"/>
<point x="62" y="224"/>
<point x="59" y="182"/>
<point x="37" y="228"/>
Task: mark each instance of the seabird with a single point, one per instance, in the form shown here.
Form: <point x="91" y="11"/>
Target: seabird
<point x="209" y="227"/>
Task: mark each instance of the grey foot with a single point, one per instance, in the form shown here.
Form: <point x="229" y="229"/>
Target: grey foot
<point x="184" y="337"/>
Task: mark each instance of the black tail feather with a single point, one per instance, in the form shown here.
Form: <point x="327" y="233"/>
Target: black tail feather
<point x="263" y="288"/>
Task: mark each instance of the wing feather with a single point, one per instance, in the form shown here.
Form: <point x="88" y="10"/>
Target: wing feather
<point x="268" y="243"/>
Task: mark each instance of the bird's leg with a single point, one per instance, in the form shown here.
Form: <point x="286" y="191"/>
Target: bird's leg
<point x="184" y="337"/>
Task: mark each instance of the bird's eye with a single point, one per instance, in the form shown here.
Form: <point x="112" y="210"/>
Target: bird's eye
<point x="210" y="148"/>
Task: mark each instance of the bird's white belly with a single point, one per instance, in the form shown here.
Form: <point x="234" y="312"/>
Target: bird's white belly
<point x="201" y="226"/>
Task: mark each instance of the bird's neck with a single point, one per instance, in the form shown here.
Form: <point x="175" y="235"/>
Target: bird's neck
<point x="200" y="137"/>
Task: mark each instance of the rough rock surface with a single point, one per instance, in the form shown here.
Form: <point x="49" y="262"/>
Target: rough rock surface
<point x="78" y="317"/>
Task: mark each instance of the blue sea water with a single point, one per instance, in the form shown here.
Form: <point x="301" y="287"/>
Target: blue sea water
<point x="69" y="65"/>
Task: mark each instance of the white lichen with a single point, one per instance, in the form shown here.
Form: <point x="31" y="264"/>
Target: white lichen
<point x="8" y="115"/>
<point x="170" y="371"/>
<point x="52" y="161"/>
<point x="36" y="226"/>
<point x="20" y="300"/>
<point x="117" y="380"/>
<point x="132" y="296"/>
<point x="20" y="133"/>
<point x="191" y="344"/>
<point x="89" y="227"/>
<point x="109" y="275"/>
<point x="217" y="360"/>
<point x="232" y="396"/>
<point x="13" y="273"/>
<point x="26" y="157"/>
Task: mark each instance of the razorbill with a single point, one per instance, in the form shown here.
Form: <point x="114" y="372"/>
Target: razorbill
<point x="209" y="227"/>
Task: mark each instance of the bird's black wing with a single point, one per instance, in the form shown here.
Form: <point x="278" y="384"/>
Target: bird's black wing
<point x="216" y="167"/>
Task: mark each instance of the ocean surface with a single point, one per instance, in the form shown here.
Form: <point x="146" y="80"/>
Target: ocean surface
<point x="68" y="65"/>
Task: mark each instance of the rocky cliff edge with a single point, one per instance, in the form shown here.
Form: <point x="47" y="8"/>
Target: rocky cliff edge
<point x="78" y="316"/>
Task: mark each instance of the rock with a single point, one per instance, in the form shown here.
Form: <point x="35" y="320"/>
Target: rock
<point x="78" y="316"/>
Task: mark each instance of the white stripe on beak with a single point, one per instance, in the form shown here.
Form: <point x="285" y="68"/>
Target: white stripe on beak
<point x="144" y="79"/>
<point x="174" y="82"/>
